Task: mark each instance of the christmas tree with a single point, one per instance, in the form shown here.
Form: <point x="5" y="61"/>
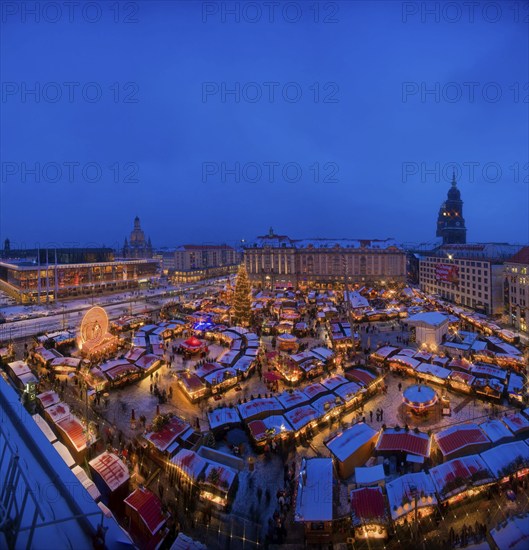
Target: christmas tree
<point x="242" y="298"/>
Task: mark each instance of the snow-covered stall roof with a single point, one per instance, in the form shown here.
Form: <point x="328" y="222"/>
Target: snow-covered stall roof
<point x="496" y="430"/>
<point x="334" y="382"/>
<point x="314" y="500"/>
<point x="453" y="477"/>
<point x="369" y="475"/>
<point x="45" y="428"/>
<point x="264" y="406"/>
<point x="405" y="488"/>
<point x="111" y="469"/>
<point x="301" y="416"/>
<point x="269" y="427"/>
<point x="291" y="399"/>
<point x="224" y="416"/>
<point x="190" y="463"/>
<point x="512" y="533"/>
<point x="457" y="438"/>
<point x="346" y="443"/>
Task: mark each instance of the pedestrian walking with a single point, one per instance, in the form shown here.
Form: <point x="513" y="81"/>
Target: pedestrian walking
<point x="371" y="416"/>
<point x="259" y="493"/>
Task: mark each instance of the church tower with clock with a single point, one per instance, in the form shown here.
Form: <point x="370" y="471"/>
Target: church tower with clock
<point x="450" y="222"/>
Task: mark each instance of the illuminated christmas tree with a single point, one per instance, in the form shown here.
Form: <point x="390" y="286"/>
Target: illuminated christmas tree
<point x="242" y="298"/>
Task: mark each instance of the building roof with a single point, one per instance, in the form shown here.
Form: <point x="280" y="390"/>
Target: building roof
<point x="314" y="498"/>
<point x="512" y="534"/>
<point x="74" y="431"/>
<point x="223" y="416"/>
<point x="500" y="457"/>
<point x="496" y="430"/>
<point x="405" y="488"/>
<point x="205" y="247"/>
<point x="191" y="463"/>
<point x="429" y="318"/>
<point x="456" y="438"/>
<point x="282" y="241"/>
<point x="301" y="416"/>
<point x="404" y="441"/>
<point x="516" y="422"/>
<point x="360" y="375"/>
<point x="521" y="257"/>
<point x="468" y="468"/>
<point x="367" y="504"/>
<point x="370" y="475"/>
<point x="111" y="469"/>
<point x="149" y="508"/>
<point x="258" y="406"/>
<point x="494" y="252"/>
<point x="183" y="542"/>
<point x="168" y="433"/>
<point x="346" y="443"/>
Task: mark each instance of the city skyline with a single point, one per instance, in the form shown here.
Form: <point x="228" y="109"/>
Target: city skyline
<point x="353" y="139"/>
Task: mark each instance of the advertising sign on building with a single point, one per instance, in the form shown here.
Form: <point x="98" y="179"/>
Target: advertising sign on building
<point x="447" y="273"/>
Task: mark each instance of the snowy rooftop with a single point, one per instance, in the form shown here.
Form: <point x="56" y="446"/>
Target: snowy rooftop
<point x="463" y="469"/>
<point x="292" y="399"/>
<point x="458" y="437"/>
<point x="434" y="370"/>
<point x="314" y="499"/>
<point x="301" y="416"/>
<point x="223" y="416"/>
<point x="370" y="475"/>
<point x="384" y="352"/>
<point x="314" y="390"/>
<point x="496" y="430"/>
<point x="357" y="300"/>
<point x="516" y="422"/>
<point x="512" y="534"/>
<point x="429" y="318"/>
<point x="334" y="381"/>
<point x="349" y="441"/>
<point x="264" y="406"/>
<point x="405" y="488"/>
<point x="348" y="391"/>
<point x="326" y="403"/>
<point x="269" y="426"/>
<point x="190" y="463"/>
<point x="503" y="455"/>
<point x="111" y="468"/>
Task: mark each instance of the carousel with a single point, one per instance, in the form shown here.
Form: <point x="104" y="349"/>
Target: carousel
<point x="419" y="399"/>
<point x="287" y="342"/>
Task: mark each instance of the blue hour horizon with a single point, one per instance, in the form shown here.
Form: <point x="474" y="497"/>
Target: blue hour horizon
<point x="217" y="125"/>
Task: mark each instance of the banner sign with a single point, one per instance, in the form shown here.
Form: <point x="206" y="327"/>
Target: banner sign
<point x="447" y="273"/>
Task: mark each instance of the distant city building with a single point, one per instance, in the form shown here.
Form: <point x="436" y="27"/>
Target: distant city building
<point x="277" y="261"/>
<point x="467" y="274"/>
<point x="45" y="275"/>
<point x="137" y="246"/>
<point x="191" y="262"/>
<point x="517" y="289"/>
<point x="450" y="222"/>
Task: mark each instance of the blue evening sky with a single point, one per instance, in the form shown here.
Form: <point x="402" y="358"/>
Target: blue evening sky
<point x="166" y="140"/>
